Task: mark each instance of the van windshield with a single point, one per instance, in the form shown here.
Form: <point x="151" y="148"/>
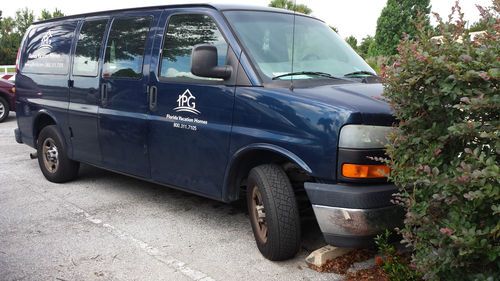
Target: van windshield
<point x="268" y="39"/>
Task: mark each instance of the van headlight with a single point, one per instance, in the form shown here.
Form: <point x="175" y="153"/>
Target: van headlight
<point x="358" y="144"/>
<point x="363" y="136"/>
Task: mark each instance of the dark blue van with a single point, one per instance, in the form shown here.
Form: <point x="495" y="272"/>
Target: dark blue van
<point x="221" y="101"/>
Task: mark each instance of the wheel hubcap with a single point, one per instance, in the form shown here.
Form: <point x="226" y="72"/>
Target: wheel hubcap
<point x="50" y="155"/>
<point x="259" y="215"/>
<point x="2" y="110"/>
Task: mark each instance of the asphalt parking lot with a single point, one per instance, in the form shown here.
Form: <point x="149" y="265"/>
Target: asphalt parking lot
<point x="106" y="226"/>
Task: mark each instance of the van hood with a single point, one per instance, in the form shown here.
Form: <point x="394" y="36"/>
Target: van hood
<point x="365" y="99"/>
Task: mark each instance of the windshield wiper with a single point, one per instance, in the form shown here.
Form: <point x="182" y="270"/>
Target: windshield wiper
<point x="355" y="73"/>
<point x="314" y="73"/>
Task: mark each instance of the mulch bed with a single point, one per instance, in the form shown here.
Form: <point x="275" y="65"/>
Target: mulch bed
<point x="341" y="264"/>
<point x="374" y="273"/>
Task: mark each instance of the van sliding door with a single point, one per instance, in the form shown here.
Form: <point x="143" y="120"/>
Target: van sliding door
<point x="123" y="118"/>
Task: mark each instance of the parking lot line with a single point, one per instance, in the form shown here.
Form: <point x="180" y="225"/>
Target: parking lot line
<point x="152" y="251"/>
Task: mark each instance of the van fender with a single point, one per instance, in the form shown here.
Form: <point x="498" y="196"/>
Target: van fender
<point x="230" y="191"/>
<point x="36" y="131"/>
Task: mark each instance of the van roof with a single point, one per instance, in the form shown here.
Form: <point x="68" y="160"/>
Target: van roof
<point x="219" y="7"/>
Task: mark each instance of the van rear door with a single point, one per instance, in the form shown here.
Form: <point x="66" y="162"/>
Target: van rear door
<point x="42" y="82"/>
<point x="123" y="111"/>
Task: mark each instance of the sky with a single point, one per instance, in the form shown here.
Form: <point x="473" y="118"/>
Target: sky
<point x="351" y="17"/>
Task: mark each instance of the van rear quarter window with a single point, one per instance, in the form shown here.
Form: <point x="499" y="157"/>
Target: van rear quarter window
<point x="48" y="48"/>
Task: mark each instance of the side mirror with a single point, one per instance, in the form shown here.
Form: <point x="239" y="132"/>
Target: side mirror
<point x="204" y="63"/>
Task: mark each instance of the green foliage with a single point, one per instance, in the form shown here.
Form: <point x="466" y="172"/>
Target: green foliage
<point x="9" y="41"/>
<point x="445" y="154"/>
<point x="24" y="18"/>
<point x="353" y="42"/>
<point x="12" y="31"/>
<point x="395" y="21"/>
<point x="290" y="5"/>
<point x="396" y="268"/>
<point x="477" y="26"/>
<point x="334" y="28"/>
<point x="46" y="14"/>
<point x="364" y="46"/>
<point x="377" y="63"/>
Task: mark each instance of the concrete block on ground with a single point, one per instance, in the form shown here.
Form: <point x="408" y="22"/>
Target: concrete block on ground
<point x="328" y="252"/>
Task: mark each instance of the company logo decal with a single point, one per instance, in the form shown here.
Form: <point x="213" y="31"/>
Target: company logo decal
<point x="47" y="41"/>
<point x="186" y="103"/>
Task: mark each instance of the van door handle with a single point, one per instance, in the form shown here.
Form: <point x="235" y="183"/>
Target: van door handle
<point x="104" y="94"/>
<point x="153" y="97"/>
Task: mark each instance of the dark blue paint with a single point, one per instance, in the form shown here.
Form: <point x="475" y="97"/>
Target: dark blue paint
<point x="45" y="92"/>
<point x="123" y="116"/>
<point x="83" y="110"/>
<point x="123" y="134"/>
<point x="193" y="159"/>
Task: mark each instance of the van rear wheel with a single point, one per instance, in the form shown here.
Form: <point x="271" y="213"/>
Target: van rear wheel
<point x="52" y="157"/>
<point x="273" y="212"/>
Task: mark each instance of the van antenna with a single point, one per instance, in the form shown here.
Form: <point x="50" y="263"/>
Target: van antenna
<point x="293" y="41"/>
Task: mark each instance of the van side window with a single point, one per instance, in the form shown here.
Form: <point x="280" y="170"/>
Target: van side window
<point x="184" y="31"/>
<point x="125" y="47"/>
<point x="48" y="47"/>
<point x="86" y="61"/>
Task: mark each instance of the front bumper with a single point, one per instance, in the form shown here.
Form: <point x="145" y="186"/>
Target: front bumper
<point x="351" y="216"/>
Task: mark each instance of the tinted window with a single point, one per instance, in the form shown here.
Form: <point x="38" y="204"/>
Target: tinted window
<point x="184" y="31"/>
<point x="86" y="61"/>
<point x="47" y="50"/>
<point x="125" y="47"/>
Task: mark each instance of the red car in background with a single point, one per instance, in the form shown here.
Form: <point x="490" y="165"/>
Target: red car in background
<point x="7" y="98"/>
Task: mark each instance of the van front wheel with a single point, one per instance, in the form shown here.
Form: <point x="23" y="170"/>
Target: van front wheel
<point x="52" y="156"/>
<point x="273" y="212"/>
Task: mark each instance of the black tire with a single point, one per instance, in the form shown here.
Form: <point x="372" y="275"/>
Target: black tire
<point x="281" y="214"/>
<point x="4" y="109"/>
<point x="55" y="164"/>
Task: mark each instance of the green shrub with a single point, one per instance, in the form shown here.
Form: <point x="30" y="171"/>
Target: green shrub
<point x="377" y="63"/>
<point x="445" y="154"/>
<point x="395" y="266"/>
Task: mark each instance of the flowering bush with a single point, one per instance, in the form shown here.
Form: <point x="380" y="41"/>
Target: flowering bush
<point x="445" y="154"/>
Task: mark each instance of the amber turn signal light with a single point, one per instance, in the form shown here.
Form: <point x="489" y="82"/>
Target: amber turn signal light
<point x="365" y="171"/>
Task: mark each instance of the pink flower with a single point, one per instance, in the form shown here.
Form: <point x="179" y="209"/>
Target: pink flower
<point x="446" y="231"/>
<point x="484" y="75"/>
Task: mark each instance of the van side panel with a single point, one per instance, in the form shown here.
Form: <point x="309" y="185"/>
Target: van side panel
<point x="42" y="82"/>
<point x="190" y="126"/>
<point x="284" y="119"/>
